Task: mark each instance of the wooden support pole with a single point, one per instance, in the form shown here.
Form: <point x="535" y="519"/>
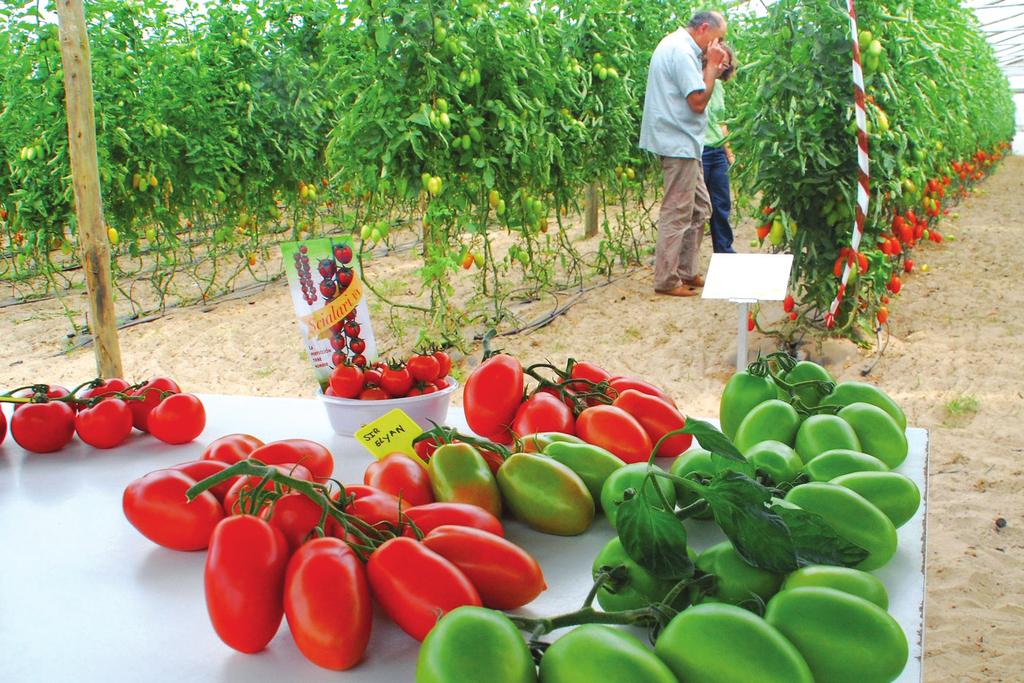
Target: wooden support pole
<point x="92" y="235"/>
<point x="590" y="211"/>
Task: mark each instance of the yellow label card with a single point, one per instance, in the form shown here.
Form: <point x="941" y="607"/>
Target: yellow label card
<point x="392" y="432"/>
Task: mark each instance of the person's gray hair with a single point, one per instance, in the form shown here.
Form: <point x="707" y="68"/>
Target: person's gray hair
<point x="712" y="19"/>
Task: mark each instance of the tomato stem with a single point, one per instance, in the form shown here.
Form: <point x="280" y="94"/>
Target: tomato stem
<point x="367" y="535"/>
<point x="586" y="615"/>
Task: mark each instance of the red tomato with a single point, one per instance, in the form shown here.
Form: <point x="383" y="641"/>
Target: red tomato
<point x="105" y="425"/>
<point x="492" y="396"/>
<point x="177" y="419"/>
<point x="372" y="505"/>
<point x="396" y="381"/>
<point x="428" y="389"/>
<point x="787" y="304"/>
<point x="424" y="368"/>
<point x="624" y="382"/>
<point x="3" y="426"/>
<point x="202" y="469"/>
<point x="442" y="383"/>
<point x="587" y="371"/>
<point x="614" y="430"/>
<point x="505" y="575"/>
<point x="231" y="448"/>
<point x="444" y="362"/>
<point x="371" y="378"/>
<point x="155" y="504"/>
<point x="114" y="385"/>
<point x="426" y="448"/>
<point x="244" y="581"/>
<point x="152" y="393"/>
<point x="658" y="417"/>
<point x="245" y="484"/>
<point x="347" y="381"/>
<point x="373" y="394"/>
<point x="415" y="391"/>
<point x="416" y="586"/>
<point x="296" y="515"/>
<point x="327" y="603"/>
<point x="543" y="412"/>
<point x="429" y="517"/>
<point x="313" y="456"/>
<point x="402" y="477"/>
<point x="43" y="427"/>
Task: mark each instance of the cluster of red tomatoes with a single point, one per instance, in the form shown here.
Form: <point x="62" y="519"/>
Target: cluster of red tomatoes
<point x="622" y="414"/>
<point x="285" y="542"/>
<point x="102" y="412"/>
<point x="422" y="373"/>
<point x="981" y="160"/>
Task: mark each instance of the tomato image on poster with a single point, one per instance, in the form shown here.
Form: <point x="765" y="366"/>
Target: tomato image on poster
<point x="328" y="296"/>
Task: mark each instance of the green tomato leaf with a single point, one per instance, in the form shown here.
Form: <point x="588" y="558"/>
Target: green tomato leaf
<point x="761" y="537"/>
<point x="654" y="538"/>
<point x="815" y="541"/>
<point x="712" y="438"/>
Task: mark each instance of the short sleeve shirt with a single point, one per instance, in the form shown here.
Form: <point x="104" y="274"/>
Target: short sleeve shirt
<point x="670" y="127"/>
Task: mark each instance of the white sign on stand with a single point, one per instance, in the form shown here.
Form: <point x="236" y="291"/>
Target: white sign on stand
<point x="746" y="279"/>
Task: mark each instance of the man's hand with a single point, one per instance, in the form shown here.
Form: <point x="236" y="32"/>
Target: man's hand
<point x="717" y="57"/>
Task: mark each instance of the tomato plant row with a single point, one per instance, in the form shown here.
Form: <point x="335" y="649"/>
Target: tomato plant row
<point x="939" y="117"/>
<point x="478" y="126"/>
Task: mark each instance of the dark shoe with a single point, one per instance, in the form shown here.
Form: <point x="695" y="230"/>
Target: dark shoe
<point x="681" y="290"/>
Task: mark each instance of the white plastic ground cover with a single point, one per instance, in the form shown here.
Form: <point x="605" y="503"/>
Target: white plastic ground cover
<point x="84" y="597"/>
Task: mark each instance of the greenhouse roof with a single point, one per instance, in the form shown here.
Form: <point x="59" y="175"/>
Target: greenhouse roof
<point x="1001" y="20"/>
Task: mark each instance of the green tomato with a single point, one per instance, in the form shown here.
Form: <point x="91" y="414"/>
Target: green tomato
<point x="895" y="495"/>
<point x="805" y="371"/>
<point x="631" y="477"/>
<point x="852" y="517"/>
<point x="820" y="433"/>
<point x="595" y="652"/>
<point x="845" y="579"/>
<point x="719" y="643"/>
<point x="474" y="644"/>
<point x="639" y="588"/>
<point x="878" y="433"/>
<point x="695" y="460"/>
<point x="776" y="459"/>
<point x="545" y="494"/>
<point x="846" y="393"/>
<point x="742" y="392"/>
<point x="771" y="420"/>
<point x="459" y="474"/>
<point x="736" y="581"/>
<point x="842" y="637"/>
<point x="837" y="462"/>
<point x="592" y="463"/>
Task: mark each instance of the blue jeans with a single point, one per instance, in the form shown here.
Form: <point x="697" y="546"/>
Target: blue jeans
<point x="716" y="177"/>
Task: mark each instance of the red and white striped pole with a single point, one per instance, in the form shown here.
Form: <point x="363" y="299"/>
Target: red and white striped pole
<point x="861" y="209"/>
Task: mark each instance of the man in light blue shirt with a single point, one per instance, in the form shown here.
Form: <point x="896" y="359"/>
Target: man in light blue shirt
<point x="673" y="125"/>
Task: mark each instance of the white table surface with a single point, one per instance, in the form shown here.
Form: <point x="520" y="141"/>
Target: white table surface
<point x="84" y="597"/>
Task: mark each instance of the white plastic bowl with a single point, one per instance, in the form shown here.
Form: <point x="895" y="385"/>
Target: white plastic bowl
<point x="347" y="415"/>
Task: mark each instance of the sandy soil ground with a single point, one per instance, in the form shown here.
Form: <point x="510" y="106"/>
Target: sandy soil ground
<point x="953" y="362"/>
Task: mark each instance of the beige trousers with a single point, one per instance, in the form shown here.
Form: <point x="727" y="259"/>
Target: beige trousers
<point x="684" y="210"/>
